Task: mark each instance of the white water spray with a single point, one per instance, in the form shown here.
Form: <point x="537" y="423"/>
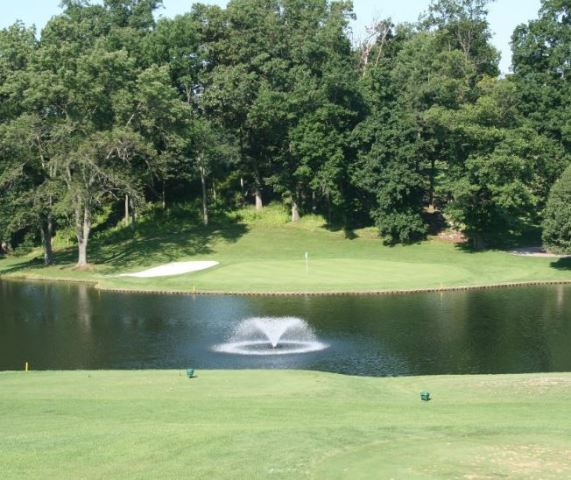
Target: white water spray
<point x="271" y="336"/>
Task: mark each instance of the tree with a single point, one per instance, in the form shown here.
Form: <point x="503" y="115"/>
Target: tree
<point x="96" y="170"/>
<point x="238" y="41"/>
<point x="29" y="188"/>
<point x="324" y="105"/>
<point x="405" y="152"/>
<point x="542" y="69"/>
<point x="94" y="94"/>
<point x="210" y="150"/>
<point x="497" y="190"/>
<point x="29" y="175"/>
<point x="390" y="146"/>
<point x="280" y="74"/>
<point x="557" y="222"/>
<point x="462" y="25"/>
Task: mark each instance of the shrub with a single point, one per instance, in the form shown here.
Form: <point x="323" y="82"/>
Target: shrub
<point x="557" y="221"/>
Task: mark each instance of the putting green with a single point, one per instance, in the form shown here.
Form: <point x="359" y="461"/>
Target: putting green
<point x="329" y="274"/>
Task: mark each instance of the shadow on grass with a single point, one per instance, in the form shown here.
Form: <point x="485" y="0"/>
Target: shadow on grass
<point x="468" y="247"/>
<point x="348" y="231"/>
<point x="35" y="263"/>
<point x="435" y="222"/>
<point x="562" y="264"/>
<point x="503" y="240"/>
<point x="151" y="242"/>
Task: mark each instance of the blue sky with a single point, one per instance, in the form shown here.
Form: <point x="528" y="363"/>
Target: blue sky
<point x="505" y="15"/>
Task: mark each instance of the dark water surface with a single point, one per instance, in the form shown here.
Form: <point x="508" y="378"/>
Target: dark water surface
<point x="62" y="326"/>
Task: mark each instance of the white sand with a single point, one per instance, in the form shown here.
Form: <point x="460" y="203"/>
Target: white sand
<point x="169" y="269"/>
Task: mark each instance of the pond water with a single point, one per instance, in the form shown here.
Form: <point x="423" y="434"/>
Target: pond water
<point x="62" y="326"/>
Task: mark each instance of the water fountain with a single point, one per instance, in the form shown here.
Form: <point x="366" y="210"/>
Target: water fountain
<point x="271" y="336"/>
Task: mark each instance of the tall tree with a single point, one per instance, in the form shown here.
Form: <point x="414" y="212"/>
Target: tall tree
<point x="28" y="189"/>
<point x="499" y="188"/>
<point x="31" y="188"/>
<point x="388" y="166"/>
<point x="542" y="69"/>
<point x="279" y="74"/>
<point x="93" y="91"/>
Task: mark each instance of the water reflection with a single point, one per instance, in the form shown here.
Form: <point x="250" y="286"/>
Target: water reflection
<point x="488" y="331"/>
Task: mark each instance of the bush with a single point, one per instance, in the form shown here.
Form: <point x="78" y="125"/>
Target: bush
<point x="403" y="226"/>
<point x="272" y="214"/>
<point x="557" y="221"/>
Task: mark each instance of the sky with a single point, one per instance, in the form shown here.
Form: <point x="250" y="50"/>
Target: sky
<point x="504" y="16"/>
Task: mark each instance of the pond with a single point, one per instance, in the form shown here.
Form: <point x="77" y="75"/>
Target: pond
<point x="506" y="330"/>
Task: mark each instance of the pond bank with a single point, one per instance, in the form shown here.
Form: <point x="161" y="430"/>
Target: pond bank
<point x="339" y="293"/>
<point x="98" y="285"/>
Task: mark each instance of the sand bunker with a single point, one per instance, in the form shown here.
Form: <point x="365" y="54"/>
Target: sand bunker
<point x="169" y="269"/>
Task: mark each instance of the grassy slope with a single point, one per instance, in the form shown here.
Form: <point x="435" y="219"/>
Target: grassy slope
<point x="282" y="424"/>
<point x="263" y="257"/>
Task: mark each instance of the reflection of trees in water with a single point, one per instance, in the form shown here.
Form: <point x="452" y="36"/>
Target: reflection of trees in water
<point x="84" y="313"/>
<point x="560" y="296"/>
<point x="466" y="331"/>
<point x="523" y="327"/>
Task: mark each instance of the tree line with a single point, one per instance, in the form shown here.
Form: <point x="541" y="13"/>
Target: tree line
<point x="271" y="100"/>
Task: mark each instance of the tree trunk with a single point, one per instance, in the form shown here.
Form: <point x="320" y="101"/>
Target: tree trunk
<point x="47" y="233"/>
<point x="133" y="213"/>
<point x="163" y="197"/>
<point x="432" y="181"/>
<point x="82" y="257"/>
<point x="478" y="241"/>
<point x="127" y="219"/>
<point x="204" y="196"/>
<point x="82" y="228"/>
<point x="294" y="212"/>
<point x="258" y="195"/>
<point x="242" y="187"/>
<point x="258" y="189"/>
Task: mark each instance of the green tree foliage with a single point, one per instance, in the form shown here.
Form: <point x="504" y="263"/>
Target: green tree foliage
<point x="462" y="26"/>
<point x="116" y="115"/>
<point x="557" y="222"/>
<point x="28" y="182"/>
<point x="29" y="179"/>
<point x="388" y="168"/>
<point x="281" y="76"/>
<point x="410" y="73"/>
<point x="497" y="183"/>
<point x="269" y="100"/>
<point x="542" y="69"/>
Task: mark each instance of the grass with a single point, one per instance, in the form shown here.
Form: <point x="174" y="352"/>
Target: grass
<point x="263" y="253"/>
<point x="282" y="425"/>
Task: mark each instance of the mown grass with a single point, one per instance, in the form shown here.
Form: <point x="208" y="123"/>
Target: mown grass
<point x="265" y="253"/>
<point x="282" y="425"/>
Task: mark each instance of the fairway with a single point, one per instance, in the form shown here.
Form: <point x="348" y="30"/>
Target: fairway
<point x="282" y="424"/>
